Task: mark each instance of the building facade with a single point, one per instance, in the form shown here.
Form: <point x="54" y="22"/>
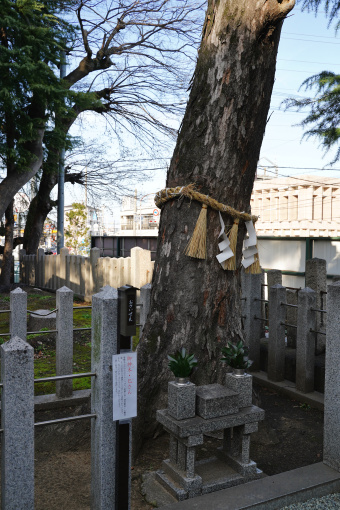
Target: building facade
<point x="305" y="206"/>
<point x="138" y="216"/>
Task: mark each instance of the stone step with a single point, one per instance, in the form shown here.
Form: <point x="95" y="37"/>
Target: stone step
<point x="270" y="493"/>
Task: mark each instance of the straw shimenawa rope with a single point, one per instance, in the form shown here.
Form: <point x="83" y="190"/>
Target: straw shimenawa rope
<point x="196" y="247"/>
<point x="189" y="191"/>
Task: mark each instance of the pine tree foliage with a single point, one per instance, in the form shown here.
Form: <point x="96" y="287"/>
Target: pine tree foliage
<point x="324" y="110"/>
<point x="32" y="35"/>
<point x="332" y="7"/>
<point x="323" y="119"/>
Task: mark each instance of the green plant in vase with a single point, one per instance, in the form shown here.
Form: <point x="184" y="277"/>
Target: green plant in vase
<point x="182" y="364"/>
<point x="236" y="357"/>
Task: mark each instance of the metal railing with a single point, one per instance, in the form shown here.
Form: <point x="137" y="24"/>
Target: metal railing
<point x="63" y="378"/>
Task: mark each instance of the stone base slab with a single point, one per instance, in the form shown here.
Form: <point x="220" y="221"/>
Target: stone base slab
<point x="248" y="469"/>
<point x="212" y="475"/>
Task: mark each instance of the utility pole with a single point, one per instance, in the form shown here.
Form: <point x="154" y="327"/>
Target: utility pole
<point x="61" y="179"/>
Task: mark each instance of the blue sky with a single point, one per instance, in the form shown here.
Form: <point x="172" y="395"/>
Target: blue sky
<point x="307" y="46"/>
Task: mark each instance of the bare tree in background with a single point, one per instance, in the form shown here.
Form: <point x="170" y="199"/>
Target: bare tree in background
<point x="130" y="63"/>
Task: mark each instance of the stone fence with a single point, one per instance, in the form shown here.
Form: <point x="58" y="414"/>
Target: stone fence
<point x="85" y="275"/>
<point x="292" y="319"/>
<point x="17" y="399"/>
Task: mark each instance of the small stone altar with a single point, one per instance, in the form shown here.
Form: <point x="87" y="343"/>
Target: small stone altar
<point x="228" y="408"/>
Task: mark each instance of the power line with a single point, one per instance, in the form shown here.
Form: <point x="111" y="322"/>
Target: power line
<point x="300" y="168"/>
<point x="296" y="70"/>
<point x="311" y="35"/>
<point x="309" y="40"/>
<point x="308" y="62"/>
<point x="301" y="179"/>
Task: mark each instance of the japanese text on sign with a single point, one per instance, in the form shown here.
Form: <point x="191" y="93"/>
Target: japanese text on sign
<point x="124" y="371"/>
<point x="131" y="311"/>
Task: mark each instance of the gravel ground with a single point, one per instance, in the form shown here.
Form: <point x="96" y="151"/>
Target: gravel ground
<point x="331" y="502"/>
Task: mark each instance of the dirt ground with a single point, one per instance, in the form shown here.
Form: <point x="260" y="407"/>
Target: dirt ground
<point x="290" y="437"/>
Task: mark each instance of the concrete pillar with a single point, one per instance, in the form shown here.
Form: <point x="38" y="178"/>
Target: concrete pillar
<point x="316" y="279"/>
<point x="145" y="301"/>
<point x="64" y="341"/>
<point x="305" y="347"/>
<point x="103" y="433"/>
<point x="18" y="315"/>
<point x="17" y="422"/>
<point x="274" y="276"/>
<point x="140" y="266"/>
<point x="276" y="344"/>
<point x="331" y="441"/>
<point x="292" y="299"/>
<point x="251" y="307"/>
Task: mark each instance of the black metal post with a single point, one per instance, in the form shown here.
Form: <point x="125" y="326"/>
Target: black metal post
<point x="61" y="177"/>
<point x="126" y="329"/>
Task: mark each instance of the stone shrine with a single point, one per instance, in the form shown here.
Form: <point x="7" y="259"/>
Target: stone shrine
<point x="217" y="407"/>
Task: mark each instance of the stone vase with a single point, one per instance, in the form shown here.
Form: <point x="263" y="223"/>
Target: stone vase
<point x="243" y="385"/>
<point x="181" y="400"/>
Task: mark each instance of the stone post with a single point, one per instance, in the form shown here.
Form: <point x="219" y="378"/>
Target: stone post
<point x="64" y="341"/>
<point x="292" y="299"/>
<point x="103" y="433"/>
<point x="145" y="301"/>
<point x="18" y="315"/>
<point x="305" y="347"/>
<point x="316" y="277"/>
<point x="331" y="437"/>
<point x="276" y="344"/>
<point x="17" y="422"/>
<point x="251" y="308"/>
<point x="274" y="276"/>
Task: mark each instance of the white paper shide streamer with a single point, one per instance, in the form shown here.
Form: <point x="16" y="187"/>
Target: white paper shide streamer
<point x="226" y="252"/>
<point x="249" y="246"/>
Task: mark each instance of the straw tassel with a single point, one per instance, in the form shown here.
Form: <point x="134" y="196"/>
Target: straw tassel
<point x="255" y="268"/>
<point x="230" y="264"/>
<point x="197" y="246"/>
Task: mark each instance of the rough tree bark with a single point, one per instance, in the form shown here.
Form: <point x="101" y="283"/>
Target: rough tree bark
<point x="6" y="266"/>
<point x="195" y="303"/>
<point x="41" y="206"/>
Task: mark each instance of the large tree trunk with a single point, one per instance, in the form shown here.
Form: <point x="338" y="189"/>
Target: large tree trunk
<point x="42" y="204"/>
<point x="6" y="266"/>
<point x="18" y="176"/>
<point x="40" y="207"/>
<point x="195" y="303"/>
